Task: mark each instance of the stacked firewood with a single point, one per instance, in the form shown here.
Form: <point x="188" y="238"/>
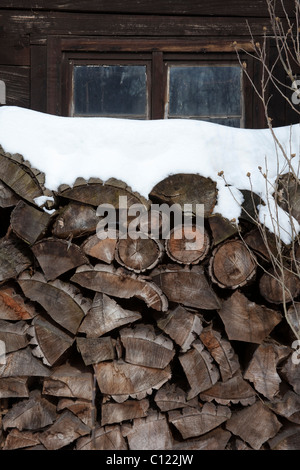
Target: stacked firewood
<point x="146" y="344"/>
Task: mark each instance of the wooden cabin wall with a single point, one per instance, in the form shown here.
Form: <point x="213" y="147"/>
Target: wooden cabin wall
<point x="26" y="26"/>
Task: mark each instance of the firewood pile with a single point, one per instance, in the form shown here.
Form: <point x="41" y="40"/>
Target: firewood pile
<point x="116" y="344"/>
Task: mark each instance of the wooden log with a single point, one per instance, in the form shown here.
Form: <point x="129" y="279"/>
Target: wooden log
<point x="13" y="335"/>
<point x="121" y="283"/>
<point x="74" y="221"/>
<point x="112" y="413"/>
<point x="187" y="245"/>
<point x="187" y="286"/>
<point x="222" y="352"/>
<point x="291" y="372"/>
<point x="66" y="429"/>
<point x="50" y="342"/>
<point x="94" y="350"/>
<point x="105" y="438"/>
<point x="262" y="244"/>
<point x="102" y="250"/>
<point x="234" y="390"/>
<point x="216" y="439"/>
<point x="83" y="409"/>
<point x="248" y="321"/>
<point x="186" y="189"/>
<point x="287" y="439"/>
<point x="181" y="325"/>
<point x="262" y="369"/>
<point x="150" y="433"/>
<point x="293" y="317"/>
<point x="146" y="348"/>
<point x="171" y="397"/>
<point x="192" y="422"/>
<point x="14" y="387"/>
<point x="23" y="363"/>
<point x="288" y="195"/>
<point x="278" y="288"/>
<point x="121" y="380"/>
<point x="138" y="255"/>
<point x="32" y="414"/>
<point x="8" y="198"/>
<point x="56" y="257"/>
<point x="287" y="406"/>
<point x="199" y="369"/>
<point x="29" y="222"/>
<point x="14" y="258"/>
<point x="13" y="306"/>
<point x="70" y="382"/>
<point x="232" y="265"/>
<point x="19" y="178"/>
<point x="20" y="440"/>
<point x="62" y="301"/>
<point x="255" y="424"/>
<point x="221" y="228"/>
<point x="104" y="315"/>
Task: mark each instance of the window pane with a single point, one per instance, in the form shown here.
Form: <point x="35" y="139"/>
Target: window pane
<point x="110" y="90"/>
<point x="212" y="92"/>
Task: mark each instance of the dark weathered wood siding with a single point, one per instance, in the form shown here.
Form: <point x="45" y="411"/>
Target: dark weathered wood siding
<point x="27" y="27"/>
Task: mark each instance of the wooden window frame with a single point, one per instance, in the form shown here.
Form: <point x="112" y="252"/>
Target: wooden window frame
<point x="61" y="51"/>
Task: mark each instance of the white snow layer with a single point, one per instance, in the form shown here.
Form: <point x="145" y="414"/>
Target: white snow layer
<point x="142" y="153"/>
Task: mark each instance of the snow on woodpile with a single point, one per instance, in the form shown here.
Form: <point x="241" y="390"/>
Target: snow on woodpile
<point x="142" y="153"/>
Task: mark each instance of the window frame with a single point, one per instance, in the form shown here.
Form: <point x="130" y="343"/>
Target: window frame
<point x="62" y="52"/>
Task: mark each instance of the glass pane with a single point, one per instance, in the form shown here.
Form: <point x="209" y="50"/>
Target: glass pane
<point x="205" y="91"/>
<point x="110" y="90"/>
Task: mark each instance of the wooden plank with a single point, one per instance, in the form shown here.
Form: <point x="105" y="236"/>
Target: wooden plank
<point x="15" y="51"/>
<point x="177" y="7"/>
<point x="17" y="84"/>
<point x="54" y="23"/>
<point x="38" y="78"/>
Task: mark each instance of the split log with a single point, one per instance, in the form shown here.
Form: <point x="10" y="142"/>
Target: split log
<point x="278" y="288"/>
<point x="187" y="245"/>
<point x="138" y="255"/>
<point x="13" y="306"/>
<point x="192" y="422"/>
<point x="186" y="189"/>
<point x="199" y="369"/>
<point x="103" y="250"/>
<point x="121" y="380"/>
<point x="263" y="244"/>
<point x="234" y="390"/>
<point x="181" y="325"/>
<point x="291" y="372"/>
<point x="150" y="433"/>
<point x="23" y="363"/>
<point x="49" y="342"/>
<point x="94" y="350"/>
<point x="14" y="387"/>
<point x="14" y="258"/>
<point x="19" y="178"/>
<point x="171" y="397"/>
<point x="70" y="382"/>
<point x="105" y="438"/>
<point x="13" y="335"/>
<point x="222" y="352"/>
<point x="7" y="197"/>
<point x="121" y="283"/>
<point x="105" y="315"/>
<point x="293" y="317"/>
<point x="146" y="348"/>
<point x="232" y="265"/>
<point x="262" y="369"/>
<point x="287" y="439"/>
<point x="221" y="228"/>
<point x="62" y="301"/>
<point x="288" y="195"/>
<point x="83" y="409"/>
<point x="66" y="429"/>
<point x="32" y="414"/>
<point x="56" y="257"/>
<point x="187" y="286"/>
<point x="74" y="221"/>
<point x="255" y="424"/>
<point x="112" y="413"/>
<point x="287" y="406"/>
<point x="28" y="222"/>
<point x="247" y="321"/>
<point x="20" y="440"/>
<point x="216" y="439"/>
